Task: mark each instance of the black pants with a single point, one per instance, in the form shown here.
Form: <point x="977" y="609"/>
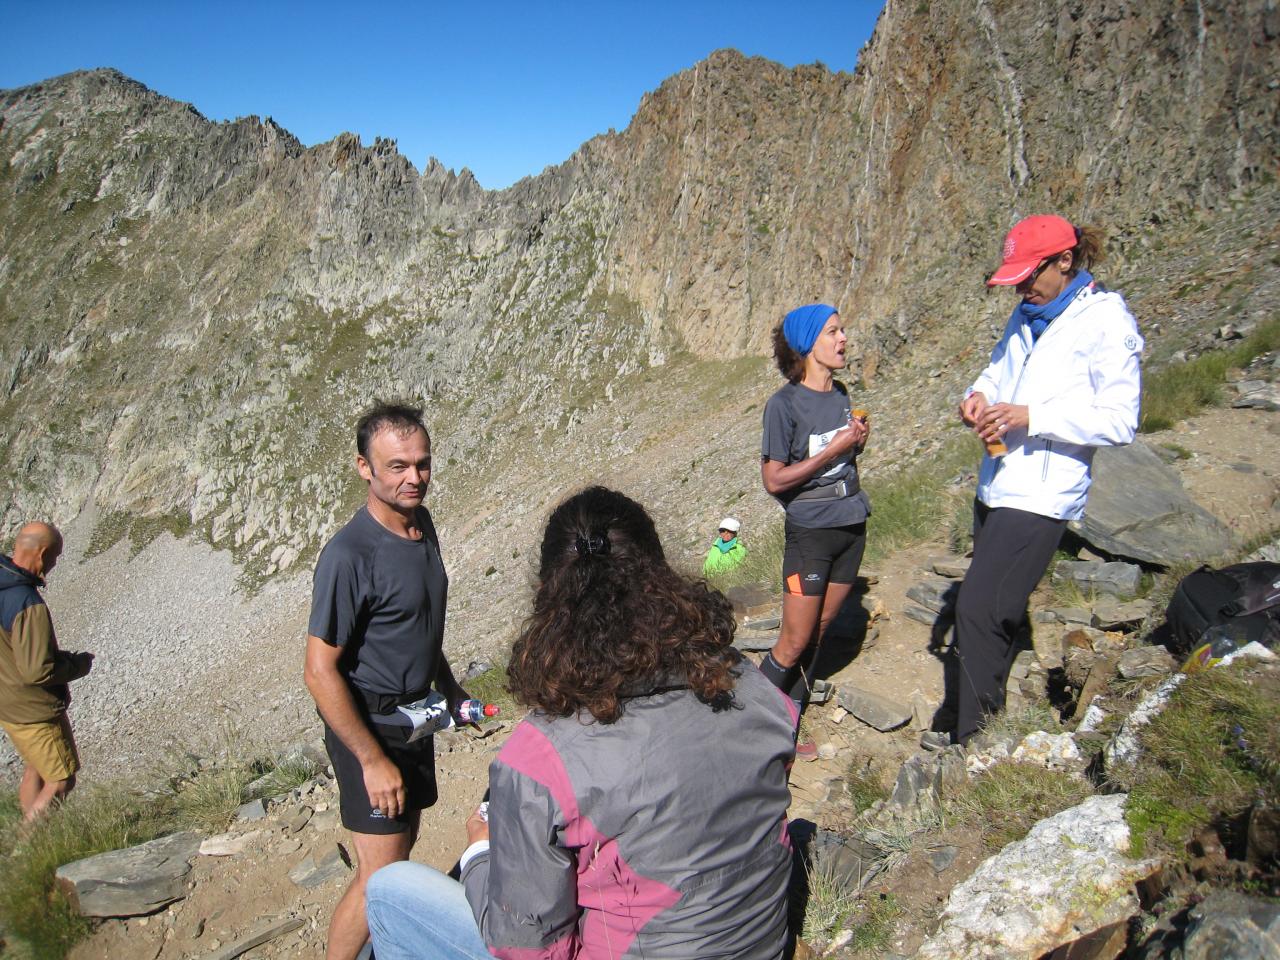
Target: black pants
<point x="1011" y="551"/>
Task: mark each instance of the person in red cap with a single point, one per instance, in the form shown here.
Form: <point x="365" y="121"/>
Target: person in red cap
<point x="1062" y="381"/>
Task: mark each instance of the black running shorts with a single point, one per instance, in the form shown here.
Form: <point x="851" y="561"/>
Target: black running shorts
<point x="417" y="764"/>
<point x="816" y="556"/>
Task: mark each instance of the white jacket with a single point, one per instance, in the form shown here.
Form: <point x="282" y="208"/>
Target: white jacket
<point x="1080" y="383"/>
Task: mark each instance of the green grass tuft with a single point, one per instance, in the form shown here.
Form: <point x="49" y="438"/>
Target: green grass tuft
<point x="1010" y="798"/>
<point x="1175" y="392"/>
<point x="1196" y="765"/>
<point x="831" y="900"/>
<point x="36" y="921"/>
<point x="864" y="784"/>
<point x="913" y="506"/>
<point x="1020" y="721"/>
<point x="762" y="564"/>
<point x="491" y="687"/>
<point x="874" y="922"/>
<point x="95" y="819"/>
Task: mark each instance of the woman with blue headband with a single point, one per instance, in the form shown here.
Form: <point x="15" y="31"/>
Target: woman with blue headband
<point x="808" y="461"/>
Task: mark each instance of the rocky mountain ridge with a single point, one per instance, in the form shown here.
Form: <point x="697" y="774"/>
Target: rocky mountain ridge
<point x="195" y="312"/>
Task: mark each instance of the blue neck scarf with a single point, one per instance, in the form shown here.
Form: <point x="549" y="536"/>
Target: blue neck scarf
<point x="726" y="545"/>
<point x="1038" y="318"/>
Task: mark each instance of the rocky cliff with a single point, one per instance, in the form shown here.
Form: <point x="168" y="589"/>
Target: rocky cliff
<point x="195" y="312"/>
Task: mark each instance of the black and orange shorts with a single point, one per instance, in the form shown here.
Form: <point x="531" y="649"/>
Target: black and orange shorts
<point x="816" y="556"/>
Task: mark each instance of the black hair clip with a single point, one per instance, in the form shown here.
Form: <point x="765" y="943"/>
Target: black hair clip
<point x="597" y="546"/>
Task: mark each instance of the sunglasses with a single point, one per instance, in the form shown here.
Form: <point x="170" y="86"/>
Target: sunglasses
<point x="1035" y="274"/>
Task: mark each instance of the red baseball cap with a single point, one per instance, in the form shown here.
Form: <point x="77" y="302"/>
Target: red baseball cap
<point x="1030" y="241"/>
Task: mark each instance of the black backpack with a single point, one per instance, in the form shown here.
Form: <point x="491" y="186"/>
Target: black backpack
<point x="1244" y="598"/>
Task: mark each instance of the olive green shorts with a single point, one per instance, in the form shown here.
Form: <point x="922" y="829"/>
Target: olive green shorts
<point x="47" y="747"/>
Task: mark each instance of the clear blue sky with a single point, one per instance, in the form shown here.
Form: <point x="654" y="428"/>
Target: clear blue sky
<point x="505" y="88"/>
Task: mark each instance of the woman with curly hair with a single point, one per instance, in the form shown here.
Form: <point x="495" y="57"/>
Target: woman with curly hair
<point x="808" y="462"/>
<point x="639" y="809"/>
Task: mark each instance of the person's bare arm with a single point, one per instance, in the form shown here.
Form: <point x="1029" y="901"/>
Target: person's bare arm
<point x="334" y="700"/>
<point x="447" y="685"/>
<point x="779" y="477"/>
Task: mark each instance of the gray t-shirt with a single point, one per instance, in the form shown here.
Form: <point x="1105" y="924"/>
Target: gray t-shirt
<point x="798" y="423"/>
<point x="381" y="598"/>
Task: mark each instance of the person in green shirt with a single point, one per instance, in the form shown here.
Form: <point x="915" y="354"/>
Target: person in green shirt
<point x="727" y="552"/>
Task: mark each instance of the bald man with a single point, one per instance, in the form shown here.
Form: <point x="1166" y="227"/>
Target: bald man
<point x="34" y="673"/>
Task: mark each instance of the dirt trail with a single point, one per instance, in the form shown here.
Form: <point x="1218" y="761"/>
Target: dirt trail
<point x="1232" y="469"/>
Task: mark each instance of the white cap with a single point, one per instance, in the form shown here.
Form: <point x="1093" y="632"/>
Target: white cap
<point x="730" y="523"/>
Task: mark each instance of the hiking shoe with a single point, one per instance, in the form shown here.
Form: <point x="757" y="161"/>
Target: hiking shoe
<point x="935" y="740"/>
<point x="807" y="751"/>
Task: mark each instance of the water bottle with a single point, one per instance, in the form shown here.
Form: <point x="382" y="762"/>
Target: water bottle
<point x="1216" y="643"/>
<point x="473" y="711"/>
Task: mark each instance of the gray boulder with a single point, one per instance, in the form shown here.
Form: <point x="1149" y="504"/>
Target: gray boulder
<point x="131" y="882"/>
<point x="1138" y="509"/>
<point x="1232" y="925"/>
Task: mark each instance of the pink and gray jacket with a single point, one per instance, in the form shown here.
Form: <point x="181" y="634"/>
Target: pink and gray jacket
<point x="662" y="835"/>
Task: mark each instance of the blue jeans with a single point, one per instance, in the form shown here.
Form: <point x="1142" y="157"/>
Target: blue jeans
<point x="416" y="913"/>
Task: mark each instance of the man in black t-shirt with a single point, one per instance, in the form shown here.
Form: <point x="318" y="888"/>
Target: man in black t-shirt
<point x="374" y="643"/>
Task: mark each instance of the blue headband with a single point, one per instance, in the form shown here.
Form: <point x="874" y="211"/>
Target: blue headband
<point x="803" y="324"/>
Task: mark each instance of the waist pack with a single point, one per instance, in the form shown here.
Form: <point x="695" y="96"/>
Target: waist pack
<point x="1242" y="599"/>
<point x="831" y="491"/>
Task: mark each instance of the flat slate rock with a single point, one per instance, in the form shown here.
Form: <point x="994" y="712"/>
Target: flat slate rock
<point x="953" y="568"/>
<point x="746" y="597"/>
<point x="872" y="709"/>
<point x="267" y="930"/>
<point x="228" y="844"/>
<point x="130" y="882"/>
<point x="1069" y="615"/>
<point x="920" y="614"/>
<point x="312" y="870"/>
<point x="1113" y="577"/>
<point x="1146" y="662"/>
<point x="253" y="810"/>
<point x="1110" y="614"/>
<point x="1231" y="925"/>
<point x="755" y="641"/>
<point x="1138" y="509"/>
<point x="936" y="595"/>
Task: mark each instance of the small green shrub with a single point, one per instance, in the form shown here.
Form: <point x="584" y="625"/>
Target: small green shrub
<point x="280" y="777"/>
